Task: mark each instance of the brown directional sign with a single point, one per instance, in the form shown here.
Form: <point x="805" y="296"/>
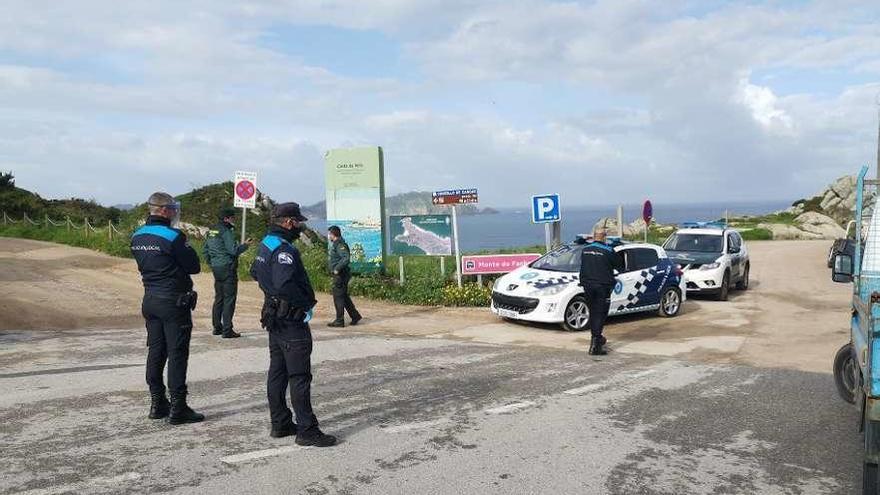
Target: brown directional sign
<point x="455" y="196"/>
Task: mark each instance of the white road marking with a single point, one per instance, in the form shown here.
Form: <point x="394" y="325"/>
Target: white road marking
<point x="83" y="485"/>
<point x="412" y="426"/>
<point x="516" y="406"/>
<point x="640" y="374"/>
<point x="586" y="388"/>
<point x="260" y="454"/>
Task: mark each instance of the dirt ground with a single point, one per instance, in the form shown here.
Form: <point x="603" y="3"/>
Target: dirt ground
<point x="792" y="317"/>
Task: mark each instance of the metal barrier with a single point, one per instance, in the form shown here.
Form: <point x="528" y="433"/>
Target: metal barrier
<point x="69" y="224"/>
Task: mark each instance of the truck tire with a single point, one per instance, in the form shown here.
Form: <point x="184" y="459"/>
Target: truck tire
<point x="845" y="370"/>
<point x="724" y="291"/>
<point x="743" y="283"/>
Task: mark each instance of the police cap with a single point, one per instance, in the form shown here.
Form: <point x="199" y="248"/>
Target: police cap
<point x="288" y="210"/>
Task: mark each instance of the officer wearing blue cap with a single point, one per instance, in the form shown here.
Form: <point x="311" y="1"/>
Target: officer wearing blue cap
<point x="287" y="310"/>
<point x="166" y="261"/>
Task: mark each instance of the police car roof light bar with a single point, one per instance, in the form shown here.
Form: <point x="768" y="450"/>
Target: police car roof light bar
<point x="704" y="225"/>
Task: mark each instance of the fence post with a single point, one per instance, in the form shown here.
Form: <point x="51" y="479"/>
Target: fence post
<point x="4" y="218"/>
<point x="110" y="230"/>
<point x="402" y="277"/>
<point x="86" y="226"/>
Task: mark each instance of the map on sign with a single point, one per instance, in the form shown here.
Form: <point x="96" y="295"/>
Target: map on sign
<point x="245" y="190"/>
<point x="429" y="235"/>
<point x="455" y="196"/>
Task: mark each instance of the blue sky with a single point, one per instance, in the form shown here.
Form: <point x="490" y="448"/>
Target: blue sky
<point x="604" y="101"/>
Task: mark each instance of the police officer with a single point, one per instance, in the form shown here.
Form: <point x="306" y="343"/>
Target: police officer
<point x="598" y="262"/>
<point x="221" y="253"/>
<point x="287" y="309"/>
<point x="340" y="259"/>
<point x="166" y="261"/>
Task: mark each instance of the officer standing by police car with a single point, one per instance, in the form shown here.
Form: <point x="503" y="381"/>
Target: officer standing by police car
<point x="221" y="253"/>
<point x="166" y="261"/>
<point x="340" y="267"/>
<point x="598" y="262"/>
<point x="287" y="310"/>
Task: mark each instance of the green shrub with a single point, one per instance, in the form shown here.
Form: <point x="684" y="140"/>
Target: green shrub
<point x="757" y="234"/>
<point x="468" y="295"/>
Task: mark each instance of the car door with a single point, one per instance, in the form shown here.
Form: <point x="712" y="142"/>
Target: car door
<point x="734" y="251"/>
<point x="634" y="288"/>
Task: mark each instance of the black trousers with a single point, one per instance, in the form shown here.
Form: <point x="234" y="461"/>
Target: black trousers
<point x="169" y="329"/>
<point x="599" y="302"/>
<point x="290" y="352"/>
<point x="225" y="296"/>
<point x="341" y="300"/>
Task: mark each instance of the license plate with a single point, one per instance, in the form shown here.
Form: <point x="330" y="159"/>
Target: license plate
<point x="506" y="313"/>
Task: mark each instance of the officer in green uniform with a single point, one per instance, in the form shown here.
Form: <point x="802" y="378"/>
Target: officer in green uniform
<point x="221" y="253"/>
<point x="340" y="258"/>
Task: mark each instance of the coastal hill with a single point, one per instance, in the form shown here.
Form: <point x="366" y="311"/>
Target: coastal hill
<point x="411" y="203"/>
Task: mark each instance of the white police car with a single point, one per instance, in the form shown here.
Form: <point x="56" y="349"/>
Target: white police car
<point x="547" y="290"/>
<point x="713" y="257"/>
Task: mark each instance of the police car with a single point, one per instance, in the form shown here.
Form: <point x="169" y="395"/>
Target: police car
<point x="713" y="256"/>
<point x="547" y="290"/>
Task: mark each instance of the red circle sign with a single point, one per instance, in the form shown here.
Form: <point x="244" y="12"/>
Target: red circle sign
<point x="245" y="189"/>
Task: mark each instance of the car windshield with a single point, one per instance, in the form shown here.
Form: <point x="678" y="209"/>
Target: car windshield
<point x="562" y="259"/>
<point x="694" y="243"/>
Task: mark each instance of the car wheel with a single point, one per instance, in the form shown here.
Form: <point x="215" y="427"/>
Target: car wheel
<point x="724" y="291"/>
<point x="670" y="302"/>
<point x="845" y="372"/>
<point x="577" y="315"/>
<point x="743" y="284"/>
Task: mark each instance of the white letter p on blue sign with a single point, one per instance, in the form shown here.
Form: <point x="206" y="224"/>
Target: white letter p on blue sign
<point x="545" y="208"/>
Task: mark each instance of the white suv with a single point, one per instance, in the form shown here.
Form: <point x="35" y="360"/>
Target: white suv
<point x="713" y="257"/>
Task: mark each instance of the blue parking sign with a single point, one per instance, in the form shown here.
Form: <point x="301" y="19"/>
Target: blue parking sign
<point x="545" y="208"/>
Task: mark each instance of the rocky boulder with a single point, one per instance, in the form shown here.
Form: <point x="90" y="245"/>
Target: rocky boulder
<point x="819" y="224"/>
<point x="781" y="231"/>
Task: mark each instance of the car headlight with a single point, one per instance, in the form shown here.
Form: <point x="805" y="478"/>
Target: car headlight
<point x="496" y="284"/>
<point x="548" y="291"/>
<point x="710" y="266"/>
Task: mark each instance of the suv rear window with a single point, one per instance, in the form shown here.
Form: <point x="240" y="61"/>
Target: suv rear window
<point x="694" y="243"/>
<point x="639" y="259"/>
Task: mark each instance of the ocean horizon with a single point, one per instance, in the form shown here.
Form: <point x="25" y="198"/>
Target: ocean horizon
<point x="513" y="228"/>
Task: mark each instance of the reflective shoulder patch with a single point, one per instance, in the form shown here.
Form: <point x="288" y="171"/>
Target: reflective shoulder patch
<point x="285" y="258"/>
<point x="157" y="230"/>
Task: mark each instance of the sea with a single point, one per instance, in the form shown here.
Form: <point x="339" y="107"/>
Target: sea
<point x="513" y="228"/>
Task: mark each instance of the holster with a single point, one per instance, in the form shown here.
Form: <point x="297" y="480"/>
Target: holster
<point x="188" y="300"/>
<point x="276" y="309"/>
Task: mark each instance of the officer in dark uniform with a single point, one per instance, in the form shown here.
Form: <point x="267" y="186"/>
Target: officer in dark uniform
<point x="221" y="253"/>
<point x="598" y="262"/>
<point x="340" y="259"/>
<point x="166" y="261"/>
<point x="287" y="310"/>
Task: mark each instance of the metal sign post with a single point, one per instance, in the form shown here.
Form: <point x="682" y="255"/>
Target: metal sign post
<point x="245" y="193"/>
<point x="454" y="197"/>
<point x="457" y="249"/>
<point x="620" y="221"/>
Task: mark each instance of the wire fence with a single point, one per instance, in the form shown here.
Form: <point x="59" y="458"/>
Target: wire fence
<point x="86" y="227"/>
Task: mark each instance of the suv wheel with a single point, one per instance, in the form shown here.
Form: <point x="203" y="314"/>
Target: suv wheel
<point x="743" y="283"/>
<point x="724" y="291"/>
<point x="670" y="302"/>
<point x="577" y="315"/>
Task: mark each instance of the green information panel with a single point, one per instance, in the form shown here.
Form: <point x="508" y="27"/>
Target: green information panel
<point x="429" y="235"/>
<point x="355" y="179"/>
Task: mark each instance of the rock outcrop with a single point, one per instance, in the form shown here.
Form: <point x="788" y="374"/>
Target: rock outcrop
<point x="821" y="225"/>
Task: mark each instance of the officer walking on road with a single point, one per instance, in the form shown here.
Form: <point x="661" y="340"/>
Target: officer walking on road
<point x="598" y="262"/>
<point x="340" y="259"/>
<point x="287" y="310"/>
<point x="166" y="261"/>
<point x="222" y="252"/>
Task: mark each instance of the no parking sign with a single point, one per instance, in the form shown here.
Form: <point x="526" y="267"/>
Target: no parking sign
<point x="245" y="190"/>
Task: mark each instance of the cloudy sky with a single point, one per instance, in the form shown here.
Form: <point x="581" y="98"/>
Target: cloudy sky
<point x="602" y="101"/>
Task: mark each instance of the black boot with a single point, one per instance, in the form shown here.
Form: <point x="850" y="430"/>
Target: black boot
<point x="596" y="346"/>
<point x="159" y="407"/>
<point x="283" y="431"/>
<point x="231" y="334"/>
<point x="336" y="324"/>
<point x="181" y="413"/>
<point x="356" y="318"/>
<point x="217" y="331"/>
<point x="315" y="438"/>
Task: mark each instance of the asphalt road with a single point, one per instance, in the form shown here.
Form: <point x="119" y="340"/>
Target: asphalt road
<point x="419" y="415"/>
